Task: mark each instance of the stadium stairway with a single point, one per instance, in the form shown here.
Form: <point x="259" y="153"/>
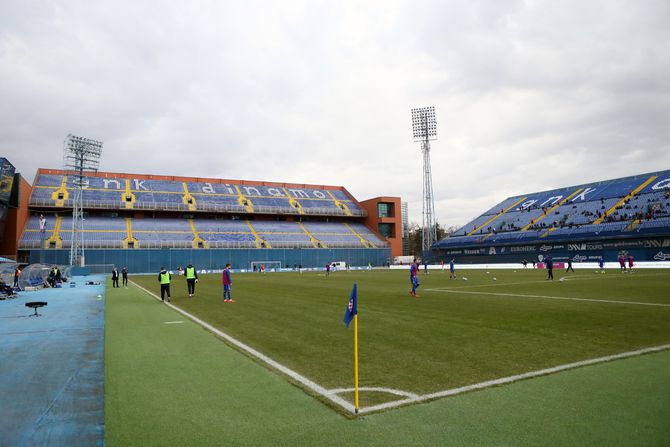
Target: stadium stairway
<point x="364" y="242"/>
<point x="341" y="205"/>
<point x="552" y="209"/>
<point x="621" y="202"/>
<point x="189" y="200"/>
<point x="198" y="242"/>
<point x="294" y="203"/>
<point x="313" y="240"/>
<point x="495" y="217"/>
<point x="129" y="240"/>
<point x="55" y="238"/>
<point x="633" y="225"/>
<point x="244" y="201"/>
<point x="260" y="242"/>
<point x="128" y="197"/>
<point x="60" y="195"/>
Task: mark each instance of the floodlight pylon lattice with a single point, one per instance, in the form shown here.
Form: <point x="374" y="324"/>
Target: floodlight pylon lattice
<point x="80" y="155"/>
<point x="424" y="128"/>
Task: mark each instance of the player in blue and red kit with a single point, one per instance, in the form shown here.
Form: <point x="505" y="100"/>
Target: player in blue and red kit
<point x="227" y="283"/>
<point x="414" y="277"/>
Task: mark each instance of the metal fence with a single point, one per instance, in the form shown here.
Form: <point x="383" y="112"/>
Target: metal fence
<point x="100" y="244"/>
<point x="201" y="206"/>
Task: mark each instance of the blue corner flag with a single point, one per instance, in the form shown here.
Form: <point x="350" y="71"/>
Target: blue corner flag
<point x="352" y="306"/>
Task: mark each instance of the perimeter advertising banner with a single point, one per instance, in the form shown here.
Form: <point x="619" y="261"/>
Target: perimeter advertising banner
<point x="652" y="249"/>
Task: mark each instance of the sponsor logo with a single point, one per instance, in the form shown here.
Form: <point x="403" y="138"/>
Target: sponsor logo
<point x="576" y="247"/>
<point x="660" y="256"/>
<point x="522" y="249"/>
<point x="471" y="252"/>
<point x="579" y="258"/>
<point x="540" y="258"/>
<point x="492" y="251"/>
<point x="657" y="243"/>
<point x="545" y="247"/>
<point x="623" y="244"/>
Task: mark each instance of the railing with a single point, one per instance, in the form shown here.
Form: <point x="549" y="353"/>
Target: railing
<point x="188" y="244"/>
<point x="201" y="206"/>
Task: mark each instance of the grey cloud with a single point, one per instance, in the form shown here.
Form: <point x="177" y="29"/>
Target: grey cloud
<point x="529" y="95"/>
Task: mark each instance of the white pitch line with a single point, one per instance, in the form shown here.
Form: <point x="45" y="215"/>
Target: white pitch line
<point x="515" y="378"/>
<point x="419" y="398"/>
<point x="638" y="303"/>
<point x="379" y="389"/>
<point x="544" y="281"/>
<point x="274" y="364"/>
<point x="174" y="322"/>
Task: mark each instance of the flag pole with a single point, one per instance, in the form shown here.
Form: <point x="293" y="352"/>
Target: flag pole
<point x="356" y="361"/>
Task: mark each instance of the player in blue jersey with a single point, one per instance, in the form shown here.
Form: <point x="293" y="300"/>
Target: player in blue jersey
<point x="601" y="264"/>
<point x="227" y="283"/>
<point x="452" y="269"/>
<point x="414" y="277"/>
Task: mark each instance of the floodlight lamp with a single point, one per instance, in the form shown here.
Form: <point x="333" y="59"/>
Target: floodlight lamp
<point x="424" y="125"/>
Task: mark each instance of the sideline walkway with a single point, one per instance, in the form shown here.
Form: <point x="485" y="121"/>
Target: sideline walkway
<point x="51" y="368"/>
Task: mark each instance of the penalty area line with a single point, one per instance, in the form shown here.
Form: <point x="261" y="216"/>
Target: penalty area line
<point x="514" y="378"/>
<point x="260" y="356"/>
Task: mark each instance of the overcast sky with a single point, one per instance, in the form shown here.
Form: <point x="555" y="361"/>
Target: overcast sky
<point x="529" y="95"/>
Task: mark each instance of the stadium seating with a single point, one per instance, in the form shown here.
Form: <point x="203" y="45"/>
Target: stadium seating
<point x="112" y="192"/>
<point x="613" y="208"/>
<point x="112" y="232"/>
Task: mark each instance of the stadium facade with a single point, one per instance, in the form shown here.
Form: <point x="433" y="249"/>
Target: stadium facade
<point x="609" y="218"/>
<point x="147" y="221"/>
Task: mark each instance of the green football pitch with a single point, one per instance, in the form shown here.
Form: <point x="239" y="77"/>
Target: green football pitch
<point x="485" y="330"/>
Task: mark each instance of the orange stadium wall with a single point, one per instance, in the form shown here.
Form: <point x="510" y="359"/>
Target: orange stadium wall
<point x="16" y="221"/>
<point x="390" y="222"/>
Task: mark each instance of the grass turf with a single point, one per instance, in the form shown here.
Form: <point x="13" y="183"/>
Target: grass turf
<point x="457" y="333"/>
<point x="176" y="384"/>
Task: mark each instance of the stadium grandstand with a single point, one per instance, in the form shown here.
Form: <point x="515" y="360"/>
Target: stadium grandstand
<point x="145" y="221"/>
<point x="628" y="215"/>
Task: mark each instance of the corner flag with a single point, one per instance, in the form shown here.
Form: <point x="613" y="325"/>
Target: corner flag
<point x="352" y="314"/>
<point x="352" y="307"/>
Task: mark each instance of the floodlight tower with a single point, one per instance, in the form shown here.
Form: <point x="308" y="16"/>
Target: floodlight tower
<point x="424" y="127"/>
<point x="80" y="155"/>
